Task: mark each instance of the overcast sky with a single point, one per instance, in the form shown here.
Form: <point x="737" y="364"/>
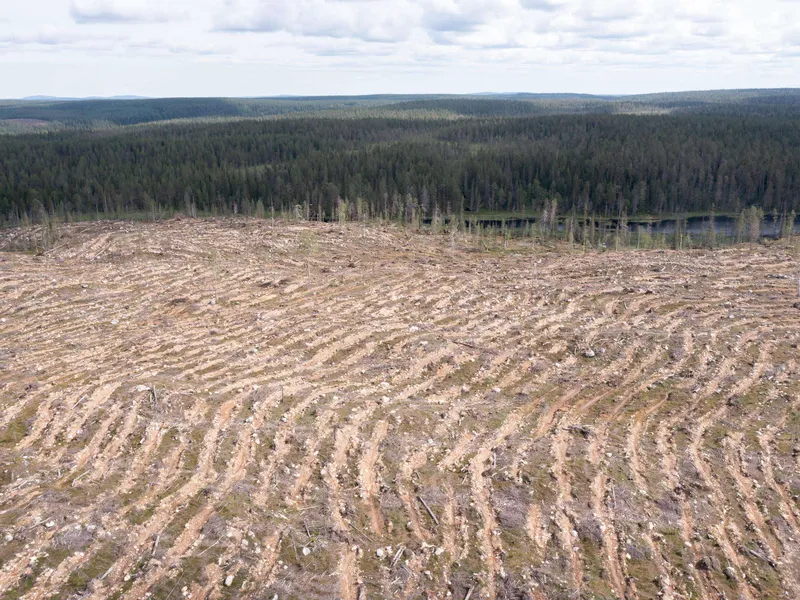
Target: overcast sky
<point x="272" y="47"/>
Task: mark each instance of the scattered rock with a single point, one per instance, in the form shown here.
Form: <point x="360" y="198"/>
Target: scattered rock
<point x="8" y="538"/>
<point x="589" y="353"/>
<point x="708" y="563"/>
<point x="582" y="429"/>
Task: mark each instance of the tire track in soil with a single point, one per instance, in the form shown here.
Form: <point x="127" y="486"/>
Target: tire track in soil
<point x="144" y="535"/>
<point x="612" y="539"/>
<point x="367" y="477"/>
<point x="190" y="536"/>
<point x="666" y="448"/>
<point x="726" y="527"/>
<point x="395" y="297"/>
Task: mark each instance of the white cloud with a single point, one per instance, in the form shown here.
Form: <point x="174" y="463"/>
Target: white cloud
<point x="119" y="12"/>
<point x="379" y="21"/>
<point x="400" y="45"/>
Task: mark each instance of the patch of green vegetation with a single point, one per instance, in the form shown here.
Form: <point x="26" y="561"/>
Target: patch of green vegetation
<point x="18" y="428"/>
<point x="191" y="457"/>
<point x="176" y="526"/>
<point x="79" y="580"/>
<point x="594" y="572"/>
<point x="235" y="505"/>
<point x="53" y="558"/>
<point x="464" y="374"/>
<point x="138" y="517"/>
<point x="644" y="574"/>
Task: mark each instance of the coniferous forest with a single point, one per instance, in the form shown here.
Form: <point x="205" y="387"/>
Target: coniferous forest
<point x="405" y="159"/>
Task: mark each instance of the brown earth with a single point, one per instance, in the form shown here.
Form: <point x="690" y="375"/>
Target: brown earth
<point x="223" y="409"/>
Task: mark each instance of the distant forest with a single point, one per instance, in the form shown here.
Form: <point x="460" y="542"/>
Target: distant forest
<point x="404" y="158"/>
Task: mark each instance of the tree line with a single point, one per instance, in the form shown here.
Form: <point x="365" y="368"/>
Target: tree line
<point x="406" y="169"/>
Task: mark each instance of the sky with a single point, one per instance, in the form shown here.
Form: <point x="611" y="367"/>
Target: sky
<point x="173" y="48"/>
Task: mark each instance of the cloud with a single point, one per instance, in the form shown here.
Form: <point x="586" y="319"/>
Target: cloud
<point x="87" y="12"/>
<point x="455" y="17"/>
<point x="711" y="30"/>
<point x="607" y="12"/>
<point x="542" y="5"/>
<point x="390" y="38"/>
<point x="47" y="35"/>
<point x="379" y="22"/>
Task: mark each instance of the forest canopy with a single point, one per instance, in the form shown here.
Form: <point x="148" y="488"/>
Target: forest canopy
<point x="465" y="155"/>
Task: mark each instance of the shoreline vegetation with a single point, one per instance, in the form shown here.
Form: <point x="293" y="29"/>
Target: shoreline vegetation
<point x="690" y="169"/>
<point x="485" y="233"/>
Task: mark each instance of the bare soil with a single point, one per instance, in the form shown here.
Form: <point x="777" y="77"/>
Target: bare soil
<point x="242" y="409"/>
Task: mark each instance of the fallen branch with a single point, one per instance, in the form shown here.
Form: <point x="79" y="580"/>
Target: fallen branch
<point x="362" y="534"/>
<point x="428" y="508"/>
<point x="84" y="474"/>
<point x="397" y="556"/>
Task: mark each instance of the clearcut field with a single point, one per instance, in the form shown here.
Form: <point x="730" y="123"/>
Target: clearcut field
<point x="236" y="409"/>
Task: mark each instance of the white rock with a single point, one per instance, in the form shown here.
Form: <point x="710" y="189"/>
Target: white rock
<point x="306" y="551"/>
<point x="228" y="580"/>
<point x="115" y="321"/>
<point x="379" y="552"/>
<point x="589" y="353"/>
<point x="8" y="538"/>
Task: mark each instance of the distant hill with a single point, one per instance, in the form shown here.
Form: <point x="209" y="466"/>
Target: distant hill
<point x="67" y="99"/>
<point x="87" y="113"/>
